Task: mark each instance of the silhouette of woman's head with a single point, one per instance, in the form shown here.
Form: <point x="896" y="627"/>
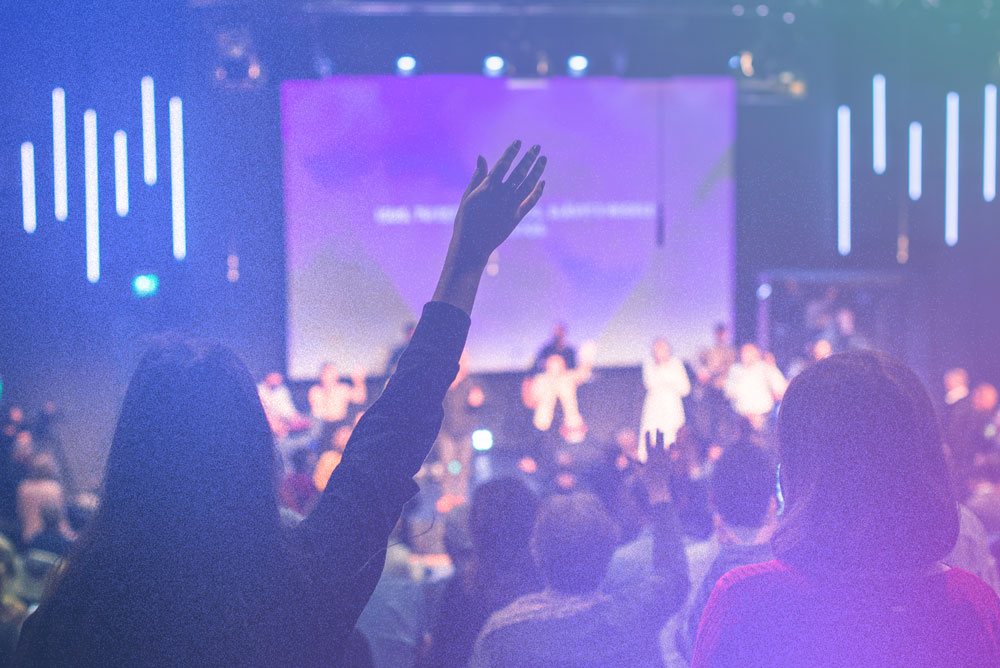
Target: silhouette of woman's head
<point x="863" y="468"/>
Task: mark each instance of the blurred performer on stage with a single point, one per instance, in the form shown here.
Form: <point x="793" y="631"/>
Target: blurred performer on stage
<point x="556" y="346"/>
<point x="454" y="442"/>
<point x="557" y="384"/>
<point x="330" y="400"/>
<point x="714" y="361"/>
<point x="667" y="383"/>
<point x="754" y="386"/>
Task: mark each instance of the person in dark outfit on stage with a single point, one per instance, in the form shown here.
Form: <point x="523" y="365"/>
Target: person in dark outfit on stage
<point x="186" y="562"/>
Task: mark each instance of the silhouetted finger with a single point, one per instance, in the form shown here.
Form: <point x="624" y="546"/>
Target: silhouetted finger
<point x="477" y="176"/>
<point x="517" y="176"/>
<point x="536" y="173"/>
<point x="528" y="204"/>
<point x="504" y="163"/>
<point x="660" y="438"/>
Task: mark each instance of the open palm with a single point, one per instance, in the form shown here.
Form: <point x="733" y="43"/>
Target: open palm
<point x="492" y="207"/>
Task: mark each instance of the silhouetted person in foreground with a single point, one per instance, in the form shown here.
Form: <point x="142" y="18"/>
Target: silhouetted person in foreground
<point x="186" y="562"/>
<point x="869" y="514"/>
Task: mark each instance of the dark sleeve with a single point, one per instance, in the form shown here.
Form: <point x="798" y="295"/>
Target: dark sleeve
<point x="652" y="602"/>
<point x="349" y="527"/>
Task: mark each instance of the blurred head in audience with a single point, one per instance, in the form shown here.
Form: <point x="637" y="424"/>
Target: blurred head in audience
<point x="501" y="517"/>
<point x="863" y="470"/>
<point x="984" y="398"/>
<point x="956" y="379"/>
<point x="744" y="482"/>
<point x="24" y="447"/>
<point x="189" y="502"/>
<point x="821" y="349"/>
<point x="274" y="379"/>
<point x="573" y="541"/>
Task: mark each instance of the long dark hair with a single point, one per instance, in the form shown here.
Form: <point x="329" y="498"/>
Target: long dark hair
<point x="184" y="542"/>
<point x="863" y="469"/>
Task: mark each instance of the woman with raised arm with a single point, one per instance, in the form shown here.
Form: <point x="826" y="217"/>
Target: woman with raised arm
<point x="869" y="515"/>
<point x="186" y="562"/>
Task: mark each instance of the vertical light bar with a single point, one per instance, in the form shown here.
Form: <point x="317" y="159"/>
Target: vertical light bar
<point x="121" y="173"/>
<point x="148" y="132"/>
<point x="177" y="178"/>
<point x="28" y="207"/>
<point x="951" y="171"/>
<point x="59" y="153"/>
<point x="844" y="180"/>
<point x="916" y="160"/>
<point x="878" y="124"/>
<point x="990" y="143"/>
<point x="90" y="195"/>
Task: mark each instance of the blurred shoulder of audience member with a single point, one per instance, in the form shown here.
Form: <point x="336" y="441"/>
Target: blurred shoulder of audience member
<point x="39" y="490"/>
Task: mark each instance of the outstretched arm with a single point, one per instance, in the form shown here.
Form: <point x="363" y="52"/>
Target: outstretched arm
<point x="345" y="536"/>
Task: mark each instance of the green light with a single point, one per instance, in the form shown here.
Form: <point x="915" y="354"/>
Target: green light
<point x="145" y="285"/>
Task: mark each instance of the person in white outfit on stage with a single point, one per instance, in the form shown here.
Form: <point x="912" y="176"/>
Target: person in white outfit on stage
<point x="667" y="383"/>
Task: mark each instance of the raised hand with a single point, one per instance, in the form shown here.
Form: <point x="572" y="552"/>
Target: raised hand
<point x="492" y="207"/>
<point x="655" y="473"/>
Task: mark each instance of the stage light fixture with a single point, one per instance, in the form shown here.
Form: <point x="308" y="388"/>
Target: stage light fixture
<point x="878" y="124"/>
<point x="951" y="170"/>
<point x="121" y="173"/>
<point x="763" y="10"/>
<point x="28" y="187"/>
<point x="148" y="132"/>
<point x="788" y="17"/>
<point x="916" y="160"/>
<point x="764" y="291"/>
<point x="844" y="180"/>
<point x="91" y="208"/>
<point x="990" y="143"/>
<point x="406" y="65"/>
<point x="577" y="65"/>
<point x="145" y="285"/>
<point x="493" y="66"/>
<point x="59" y="153"/>
<point x="177" y="207"/>
<point x="482" y="440"/>
<point x="738" y="10"/>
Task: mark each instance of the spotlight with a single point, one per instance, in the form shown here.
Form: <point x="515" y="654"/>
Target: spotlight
<point x="482" y="440"/>
<point x="763" y="10"/>
<point x="577" y="65"/>
<point x="406" y="65"/>
<point x="145" y="285"/>
<point x="493" y="66"/>
<point x="788" y="17"/>
<point x="764" y="291"/>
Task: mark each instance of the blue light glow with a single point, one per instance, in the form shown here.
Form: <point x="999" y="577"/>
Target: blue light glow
<point x="148" y="132"/>
<point x="990" y="143"/>
<point x="577" y="65"/>
<point x="916" y="161"/>
<point x="493" y="66"/>
<point x="28" y="204"/>
<point x="59" y="153"/>
<point x="951" y="171"/>
<point x="482" y="440"/>
<point x="145" y="285"/>
<point x="878" y="124"/>
<point x="844" y="180"/>
<point x="92" y="221"/>
<point x="177" y="179"/>
<point x="406" y="64"/>
<point x="121" y="173"/>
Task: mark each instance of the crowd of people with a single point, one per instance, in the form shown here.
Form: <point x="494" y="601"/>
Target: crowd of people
<point x="830" y="534"/>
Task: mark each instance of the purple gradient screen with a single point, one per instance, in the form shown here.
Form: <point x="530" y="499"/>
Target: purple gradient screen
<point x="374" y="168"/>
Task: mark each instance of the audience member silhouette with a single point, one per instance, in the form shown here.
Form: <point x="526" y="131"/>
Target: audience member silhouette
<point x="187" y="562"/>
<point x="869" y="514"/>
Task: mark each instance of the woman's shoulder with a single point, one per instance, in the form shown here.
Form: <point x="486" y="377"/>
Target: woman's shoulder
<point x="758" y="578"/>
<point x="961" y="584"/>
